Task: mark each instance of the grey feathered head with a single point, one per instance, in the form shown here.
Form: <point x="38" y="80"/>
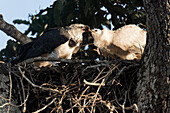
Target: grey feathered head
<point x="79" y="26"/>
<point x="76" y="31"/>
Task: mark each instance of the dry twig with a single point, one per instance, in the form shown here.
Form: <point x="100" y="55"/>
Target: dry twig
<point x="10" y="94"/>
<point x="36" y="86"/>
<point x="93" y="84"/>
<point x="45" y="106"/>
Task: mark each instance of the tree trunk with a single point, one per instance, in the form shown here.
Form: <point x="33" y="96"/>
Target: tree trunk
<point x="153" y="88"/>
<point x="5" y="92"/>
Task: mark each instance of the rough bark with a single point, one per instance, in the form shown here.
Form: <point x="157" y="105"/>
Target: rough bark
<point x="13" y="32"/>
<point x="5" y="98"/>
<point x="153" y="89"/>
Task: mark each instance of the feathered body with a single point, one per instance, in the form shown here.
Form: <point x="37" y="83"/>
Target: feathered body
<point x="59" y="42"/>
<point x="127" y="42"/>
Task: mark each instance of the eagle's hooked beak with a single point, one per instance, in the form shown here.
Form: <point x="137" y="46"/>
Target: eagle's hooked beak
<point x="87" y="28"/>
<point x="86" y="34"/>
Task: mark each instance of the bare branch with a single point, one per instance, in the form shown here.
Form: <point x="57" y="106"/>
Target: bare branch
<point x="34" y="85"/>
<point x="168" y="80"/>
<point x="95" y="96"/>
<point x="93" y="84"/>
<point x="45" y="106"/>
<point x="10" y="94"/>
<point x="12" y="31"/>
<point x="59" y="60"/>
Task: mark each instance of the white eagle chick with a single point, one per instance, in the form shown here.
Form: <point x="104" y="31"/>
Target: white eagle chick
<point x="127" y="42"/>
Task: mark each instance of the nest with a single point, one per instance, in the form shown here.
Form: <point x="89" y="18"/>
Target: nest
<point x="73" y="86"/>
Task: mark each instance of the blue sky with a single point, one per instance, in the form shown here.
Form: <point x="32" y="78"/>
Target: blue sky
<point x="19" y="9"/>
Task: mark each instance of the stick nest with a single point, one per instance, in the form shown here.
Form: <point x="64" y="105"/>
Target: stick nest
<point x="73" y="86"/>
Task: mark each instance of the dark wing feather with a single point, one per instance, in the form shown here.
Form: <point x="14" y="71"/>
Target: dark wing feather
<point x="44" y="44"/>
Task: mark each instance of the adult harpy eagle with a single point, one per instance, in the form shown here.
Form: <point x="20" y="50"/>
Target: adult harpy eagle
<point x="127" y="42"/>
<point x="59" y="42"/>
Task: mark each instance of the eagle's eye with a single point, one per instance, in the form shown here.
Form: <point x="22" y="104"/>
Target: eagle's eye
<point x="95" y="30"/>
<point x="81" y="27"/>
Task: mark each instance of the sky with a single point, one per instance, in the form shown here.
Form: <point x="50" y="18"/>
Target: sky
<point x="19" y="9"/>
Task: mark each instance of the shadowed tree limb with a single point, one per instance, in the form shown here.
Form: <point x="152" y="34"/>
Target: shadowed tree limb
<point x="11" y="30"/>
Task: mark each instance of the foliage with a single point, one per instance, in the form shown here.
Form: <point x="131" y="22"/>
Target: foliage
<point x="94" y="13"/>
<point x="9" y="52"/>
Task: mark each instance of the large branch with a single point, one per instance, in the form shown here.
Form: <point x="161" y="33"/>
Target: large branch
<point x="13" y="32"/>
